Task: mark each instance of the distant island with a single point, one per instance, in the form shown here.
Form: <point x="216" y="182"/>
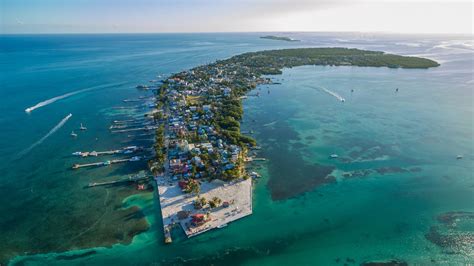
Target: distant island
<point x="200" y="152"/>
<point x="279" y="38"/>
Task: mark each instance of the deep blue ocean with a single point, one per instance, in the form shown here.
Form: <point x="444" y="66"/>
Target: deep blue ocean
<point x="401" y="192"/>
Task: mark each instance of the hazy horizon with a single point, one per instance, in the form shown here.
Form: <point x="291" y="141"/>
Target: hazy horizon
<point x="211" y="16"/>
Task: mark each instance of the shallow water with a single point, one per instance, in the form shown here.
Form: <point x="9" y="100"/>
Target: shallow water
<point x="396" y="171"/>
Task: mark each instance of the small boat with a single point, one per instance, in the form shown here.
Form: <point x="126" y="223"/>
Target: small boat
<point x="142" y="87"/>
<point x="73" y="134"/>
<point x="117" y="127"/>
<point x="77" y="153"/>
<point x="221" y="226"/>
<point x="255" y="175"/>
<point x="333" y="156"/>
<point x="135" y="159"/>
<point x="82" y="127"/>
<point x="343" y="100"/>
<point x="459" y="157"/>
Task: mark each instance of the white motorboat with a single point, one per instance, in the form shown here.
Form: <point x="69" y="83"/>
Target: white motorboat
<point x="221" y="226"/>
<point x="135" y="159"/>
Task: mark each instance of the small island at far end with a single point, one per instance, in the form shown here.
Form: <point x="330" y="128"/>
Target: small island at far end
<point x="279" y="38"/>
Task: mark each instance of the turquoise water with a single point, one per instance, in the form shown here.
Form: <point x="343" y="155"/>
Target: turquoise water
<point x="400" y="148"/>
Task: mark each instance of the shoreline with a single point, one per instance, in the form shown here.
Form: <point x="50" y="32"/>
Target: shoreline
<point x="200" y="112"/>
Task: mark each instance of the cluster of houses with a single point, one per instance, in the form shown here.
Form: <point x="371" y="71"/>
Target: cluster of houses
<point x="195" y="148"/>
<point x="201" y="149"/>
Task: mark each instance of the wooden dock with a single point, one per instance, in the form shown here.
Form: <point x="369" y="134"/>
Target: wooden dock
<point x="77" y="166"/>
<point x="129" y="179"/>
<point x="135" y="129"/>
<point x="124" y="150"/>
<point x="252" y="159"/>
<point x="131" y="126"/>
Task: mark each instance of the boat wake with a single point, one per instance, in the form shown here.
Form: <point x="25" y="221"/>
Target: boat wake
<point x="270" y="124"/>
<point x="337" y="96"/>
<point x="56" y="128"/>
<point x="57" y="98"/>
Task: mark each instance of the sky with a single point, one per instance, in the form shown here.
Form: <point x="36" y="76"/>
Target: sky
<point x="119" y="16"/>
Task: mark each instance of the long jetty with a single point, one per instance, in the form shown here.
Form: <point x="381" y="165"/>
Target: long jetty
<point x="124" y="150"/>
<point x="77" y="166"/>
<point x="135" y="129"/>
<point x="129" y="179"/>
<point x="254" y="159"/>
<point x="131" y="125"/>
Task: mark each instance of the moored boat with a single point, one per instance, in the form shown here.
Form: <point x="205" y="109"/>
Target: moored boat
<point x="135" y="159"/>
<point x="221" y="226"/>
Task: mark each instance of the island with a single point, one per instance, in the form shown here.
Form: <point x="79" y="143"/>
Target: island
<point x="279" y="38"/>
<point x="200" y="153"/>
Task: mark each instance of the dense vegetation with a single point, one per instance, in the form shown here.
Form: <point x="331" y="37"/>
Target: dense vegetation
<point x="227" y="121"/>
<point x="272" y="61"/>
<point x="157" y="163"/>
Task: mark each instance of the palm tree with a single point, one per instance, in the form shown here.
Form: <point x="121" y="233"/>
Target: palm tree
<point x="215" y="202"/>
